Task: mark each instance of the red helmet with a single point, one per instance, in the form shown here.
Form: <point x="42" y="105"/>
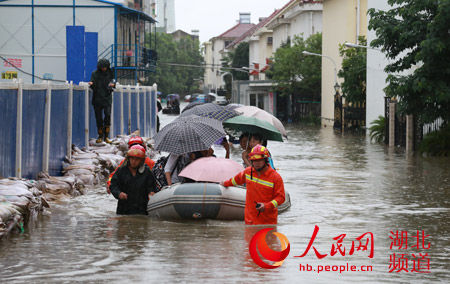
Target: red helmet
<point x="258" y="152"/>
<point x="136" y="140"/>
<point x="136" y="151"/>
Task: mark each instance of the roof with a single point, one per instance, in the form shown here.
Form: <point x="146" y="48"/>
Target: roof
<point x="122" y="8"/>
<point x="261" y="24"/>
<point x="236" y="31"/>
<point x="128" y="10"/>
<point x="290" y="4"/>
<point x="253" y="29"/>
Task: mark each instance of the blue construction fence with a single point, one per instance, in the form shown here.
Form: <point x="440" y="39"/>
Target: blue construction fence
<point x="41" y="122"/>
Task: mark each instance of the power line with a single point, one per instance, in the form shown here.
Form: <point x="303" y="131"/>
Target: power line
<point x="27" y="73"/>
<point x="204" y="66"/>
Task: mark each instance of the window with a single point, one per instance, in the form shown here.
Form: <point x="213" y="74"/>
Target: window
<point x="253" y="99"/>
<point x="227" y="42"/>
<point x="269" y="40"/>
<point x="261" y="101"/>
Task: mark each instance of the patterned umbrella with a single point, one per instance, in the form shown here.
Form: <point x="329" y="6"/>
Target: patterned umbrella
<point x="244" y="124"/>
<point x="252" y="111"/>
<point x="191" y="105"/>
<point x="189" y="134"/>
<point x="202" y="109"/>
<point x="220" y="114"/>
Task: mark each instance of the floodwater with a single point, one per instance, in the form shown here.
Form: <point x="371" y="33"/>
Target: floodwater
<point x="342" y="184"/>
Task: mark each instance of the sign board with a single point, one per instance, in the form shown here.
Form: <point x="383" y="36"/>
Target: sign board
<point x="9" y="75"/>
<point x="13" y="62"/>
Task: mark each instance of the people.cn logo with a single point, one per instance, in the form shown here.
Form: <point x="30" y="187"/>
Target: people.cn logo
<point x="258" y="244"/>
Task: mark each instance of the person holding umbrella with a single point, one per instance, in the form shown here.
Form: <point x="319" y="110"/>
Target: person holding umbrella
<point x="265" y="188"/>
<point x="186" y="135"/>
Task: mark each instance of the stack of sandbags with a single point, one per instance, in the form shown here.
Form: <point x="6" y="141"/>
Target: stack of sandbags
<point x="55" y="187"/>
<point x="109" y="157"/>
<point x="85" y="166"/>
<point x="20" y="201"/>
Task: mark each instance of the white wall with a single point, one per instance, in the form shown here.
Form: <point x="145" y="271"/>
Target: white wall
<point x="15" y="38"/>
<point x="280" y="35"/>
<point x="305" y="20"/>
<point x="49" y="34"/>
<point x="376" y="77"/>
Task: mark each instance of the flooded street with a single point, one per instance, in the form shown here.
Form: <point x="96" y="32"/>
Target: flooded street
<point x="342" y="184"/>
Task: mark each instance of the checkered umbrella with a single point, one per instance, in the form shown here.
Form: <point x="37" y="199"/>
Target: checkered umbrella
<point x="220" y="114"/>
<point x="202" y="109"/>
<point x="191" y="105"/>
<point x="189" y="134"/>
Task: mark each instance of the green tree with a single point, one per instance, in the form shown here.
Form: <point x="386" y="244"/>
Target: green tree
<point x="414" y="34"/>
<point x="177" y="79"/>
<point x="236" y="58"/>
<point x="354" y="66"/>
<point x="296" y="73"/>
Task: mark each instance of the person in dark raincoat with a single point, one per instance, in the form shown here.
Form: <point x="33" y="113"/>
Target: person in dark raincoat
<point x="133" y="183"/>
<point x="102" y="83"/>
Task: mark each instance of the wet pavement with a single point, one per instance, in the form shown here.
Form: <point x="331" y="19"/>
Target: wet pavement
<point x="342" y="184"/>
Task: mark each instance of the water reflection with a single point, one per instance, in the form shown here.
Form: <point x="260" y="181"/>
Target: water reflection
<point x="343" y="184"/>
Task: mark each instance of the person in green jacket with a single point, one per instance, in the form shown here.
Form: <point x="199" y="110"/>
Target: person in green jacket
<point x="102" y="82"/>
<point x="133" y="183"/>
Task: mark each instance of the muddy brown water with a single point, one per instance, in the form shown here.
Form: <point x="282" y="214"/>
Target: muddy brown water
<point x="342" y="184"/>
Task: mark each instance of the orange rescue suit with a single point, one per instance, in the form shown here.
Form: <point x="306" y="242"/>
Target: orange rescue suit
<point x="265" y="187"/>
<point x="150" y="163"/>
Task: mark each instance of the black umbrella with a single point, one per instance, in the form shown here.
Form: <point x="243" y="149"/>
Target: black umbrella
<point x="202" y="109"/>
<point x="189" y="134"/>
<point x="191" y="105"/>
<point x="211" y="111"/>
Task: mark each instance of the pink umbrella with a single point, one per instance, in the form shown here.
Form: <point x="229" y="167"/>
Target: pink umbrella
<point x="252" y="111"/>
<point x="211" y="169"/>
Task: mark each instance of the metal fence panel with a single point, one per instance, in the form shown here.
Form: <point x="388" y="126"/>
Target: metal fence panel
<point x="92" y="123"/>
<point x="58" y="131"/>
<point x="33" y="132"/>
<point x="142" y="112"/>
<point x="78" y="118"/>
<point x="153" y="113"/>
<point x="148" y="112"/>
<point x="125" y="112"/>
<point x="8" y="103"/>
<point x="116" y="113"/>
<point x="134" y="111"/>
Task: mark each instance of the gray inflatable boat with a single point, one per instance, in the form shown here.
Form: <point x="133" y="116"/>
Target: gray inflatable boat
<point x="201" y="201"/>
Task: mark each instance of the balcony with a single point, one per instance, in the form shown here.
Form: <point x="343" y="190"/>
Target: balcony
<point x="129" y="60"/>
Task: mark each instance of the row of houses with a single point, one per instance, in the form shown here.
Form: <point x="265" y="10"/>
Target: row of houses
<point x="339" y="21"/>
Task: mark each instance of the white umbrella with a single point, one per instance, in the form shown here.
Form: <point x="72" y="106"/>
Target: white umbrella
<point x="251" y="111"/>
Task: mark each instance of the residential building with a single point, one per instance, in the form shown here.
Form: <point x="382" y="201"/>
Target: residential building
<point x="63" y="41"/>
<point x="296" y="18"/>
<point x="215" y="49"/>
<point x="165" y="15"/>
<point x="376" y="76"/>
<point x="179" y="34"/>
<point x="343" y="21"/>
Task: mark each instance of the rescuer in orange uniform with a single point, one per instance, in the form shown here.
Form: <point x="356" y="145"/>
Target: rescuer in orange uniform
<point x="265" y="188"/>
<point x="136" y="140"/>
